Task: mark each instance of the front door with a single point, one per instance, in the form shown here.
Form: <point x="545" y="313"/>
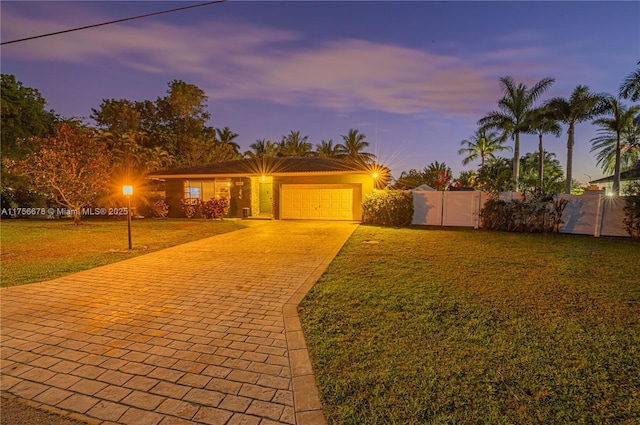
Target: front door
<point x="266" y="201"/>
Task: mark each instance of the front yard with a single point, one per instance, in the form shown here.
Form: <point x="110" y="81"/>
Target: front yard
<point x="435" y="326"/>
<point x="36" y="250"/>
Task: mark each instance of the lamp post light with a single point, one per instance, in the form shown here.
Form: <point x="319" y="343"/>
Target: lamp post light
<point x="127" y="191"/>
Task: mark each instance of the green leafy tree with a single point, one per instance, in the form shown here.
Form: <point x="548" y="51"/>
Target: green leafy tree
<point x="327" y="149"/>
<point x="180" y="123"/>
<point x="481" y="145"/>
<point x="622" y="118"/>
<point x="605" y="144"/>
<point x="262" y="148"/>
<point x="554" y="175"/>
<point x="581" y="106"/>
<point x="410" y="179"/>
<point x="227" y="137"/>
<point x="630" y="87"/>
<point x="353" y="146"/>
<point x="71" y="167"/>
<point x="437" y="175"/>
<point x="467" y="179"/>
<point x="514" y="108"/>
<point x="496" y="176"/>
<point x="542" y="121"/>
<point x="295" y="145"/>
<point x="23" y="115"/>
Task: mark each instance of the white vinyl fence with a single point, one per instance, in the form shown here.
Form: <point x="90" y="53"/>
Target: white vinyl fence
<point x="589" y="214"/>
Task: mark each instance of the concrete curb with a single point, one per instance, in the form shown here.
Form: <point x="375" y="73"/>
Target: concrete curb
<point x="306" y="397"/>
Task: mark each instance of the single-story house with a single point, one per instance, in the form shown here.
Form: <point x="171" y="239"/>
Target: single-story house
<point x="280" y="188"/>
<point x="626" y="177"/>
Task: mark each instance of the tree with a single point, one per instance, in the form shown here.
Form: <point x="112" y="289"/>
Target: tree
<point x="327" y="149"/>
<point x="119" y="117"/>
<point x="71" y="167"/>
<point x="542" y="121"/>
<point x="630" y="87"/>
<point x="496" y="176"/>
<point x="581" y="106"/>
<point x="23" y="115"/>
<point x="481" y="145"/>
<point x="511" y="118"/>
<point x="410" y="179"/>
<point x="352" y="148"/>
<point x="529" y="175"/>
<point x="180" y="122"/>
<point x="226" y="137"/>
<point x="294" y="145"/>
<point x="262" y="148"/>
<point x="621" y="120"/>
<point x="605" y="145"/>
<point x="437" y="175"/>
<point x="467" y="179"/>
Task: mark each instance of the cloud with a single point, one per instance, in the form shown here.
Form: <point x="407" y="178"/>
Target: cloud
<point x="239" y="60"/>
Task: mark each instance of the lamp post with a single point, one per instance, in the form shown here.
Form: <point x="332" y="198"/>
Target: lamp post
<point x="127" y="191"/>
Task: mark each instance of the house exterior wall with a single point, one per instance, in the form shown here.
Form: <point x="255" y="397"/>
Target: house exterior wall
<point x="245" y="191"/>
<point x="239" y="193"/>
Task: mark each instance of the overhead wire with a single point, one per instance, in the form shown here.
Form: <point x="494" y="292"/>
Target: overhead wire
<point x="113" y="22"/>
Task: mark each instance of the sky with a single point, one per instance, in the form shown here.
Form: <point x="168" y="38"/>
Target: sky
<point x="413" y="76"/>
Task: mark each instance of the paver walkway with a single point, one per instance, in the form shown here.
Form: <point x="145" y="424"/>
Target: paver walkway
<point x="205" y="332"/>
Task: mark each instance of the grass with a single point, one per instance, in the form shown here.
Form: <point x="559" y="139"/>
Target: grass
<point x="37" y="250"/>
<point x="456" y="326"/>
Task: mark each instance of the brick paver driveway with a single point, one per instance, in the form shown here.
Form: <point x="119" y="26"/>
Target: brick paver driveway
<point x="206" y="332"/>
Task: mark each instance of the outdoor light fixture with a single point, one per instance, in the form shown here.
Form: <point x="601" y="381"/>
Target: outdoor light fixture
<point x="264" y="178"/>
<point x="127" y="191"/>
<point x="375" y="175"/>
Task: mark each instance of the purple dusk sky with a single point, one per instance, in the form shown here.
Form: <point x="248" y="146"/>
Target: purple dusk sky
<point x="413" y="76"/>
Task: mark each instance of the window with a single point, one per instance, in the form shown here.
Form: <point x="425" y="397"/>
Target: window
<point x="222" y="188"/>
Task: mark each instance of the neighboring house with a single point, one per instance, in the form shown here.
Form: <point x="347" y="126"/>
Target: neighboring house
<point x="626" y="177"/>
<point x="280" y="188"/>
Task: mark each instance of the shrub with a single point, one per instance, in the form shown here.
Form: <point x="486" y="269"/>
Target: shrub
<point x="189" y="207"/>
<point x="537" y="212"/>
<point x="160" y="209"/>
<point x="214" y="208"/>
<point x="388" y="208"/>
<point x="632" y="209"/>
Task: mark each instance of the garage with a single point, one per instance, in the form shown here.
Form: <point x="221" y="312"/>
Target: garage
<point x="317" y="201"/>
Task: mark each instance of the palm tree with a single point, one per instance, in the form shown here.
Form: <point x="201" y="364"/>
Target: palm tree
<point x="542" y="121"/>
<point x="529" y="172"/>
<point x="294" y="145"/>
<point x="226" y="137"/>
<point x="630" y="87"/>
<point x="481" y="145"/>
<point x="515" y="105"/>
<point x="353" y="146"/>
<point x="622" y="118"/>
<point x="581" y="106"/>
<point x="262" y="148"/>
<point x="326" y="149"/>
<point x="437" y="175"/>
<point x="606" y="141"/>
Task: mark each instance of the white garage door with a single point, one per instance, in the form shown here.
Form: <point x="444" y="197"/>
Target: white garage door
<point x="317" y="202"/>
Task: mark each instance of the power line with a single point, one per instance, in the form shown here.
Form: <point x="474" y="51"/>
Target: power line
<point x="113" y="22"/>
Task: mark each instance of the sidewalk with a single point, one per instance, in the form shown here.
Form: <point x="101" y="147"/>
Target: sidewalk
<point x="206" y="332"/>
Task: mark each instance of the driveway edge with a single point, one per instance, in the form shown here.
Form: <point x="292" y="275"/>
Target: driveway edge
<point x="306" y="397"/>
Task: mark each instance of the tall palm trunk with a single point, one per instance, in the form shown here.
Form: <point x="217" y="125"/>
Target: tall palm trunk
<point x="616" y="170"/>
<point x="540" y="161"/>
<point x="567" y="183"/>
<point x="516" y="161"/>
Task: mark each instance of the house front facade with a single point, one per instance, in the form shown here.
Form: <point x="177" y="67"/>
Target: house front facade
<point x="308" y="188"/>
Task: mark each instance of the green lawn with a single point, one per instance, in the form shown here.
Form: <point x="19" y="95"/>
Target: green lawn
<point x="36" y="250"/>
<point x="460" y="326"/>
